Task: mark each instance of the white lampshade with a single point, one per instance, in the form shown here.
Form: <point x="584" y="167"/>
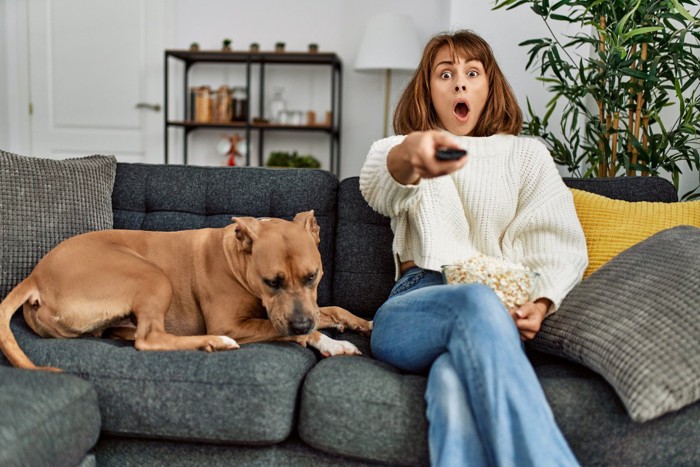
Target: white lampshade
<point x="390" y="42"/>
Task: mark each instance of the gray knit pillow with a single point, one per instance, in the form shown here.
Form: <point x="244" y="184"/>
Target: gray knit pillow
<point x="45" y="201"/>
<point x="636" y="322"/>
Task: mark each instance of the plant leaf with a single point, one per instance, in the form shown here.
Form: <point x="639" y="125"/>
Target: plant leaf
<point x="644" y="30"/>
<point x="683" y="11"/>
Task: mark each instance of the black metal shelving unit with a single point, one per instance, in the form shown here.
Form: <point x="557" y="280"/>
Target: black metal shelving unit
<point x="250" y="60"/>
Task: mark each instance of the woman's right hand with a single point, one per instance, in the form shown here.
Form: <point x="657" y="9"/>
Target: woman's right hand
<point x="414" y="158"/>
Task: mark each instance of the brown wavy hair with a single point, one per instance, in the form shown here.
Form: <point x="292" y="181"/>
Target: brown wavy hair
<point x="415" y="111"/>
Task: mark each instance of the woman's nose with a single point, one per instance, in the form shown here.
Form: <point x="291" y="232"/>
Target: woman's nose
<point x="462" y="87"/>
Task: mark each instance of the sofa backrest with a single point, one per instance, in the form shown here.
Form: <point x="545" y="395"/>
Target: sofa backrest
<point x="170" y="197"/>
<point x="627" y="188"/>
<point x="364" y="267"/>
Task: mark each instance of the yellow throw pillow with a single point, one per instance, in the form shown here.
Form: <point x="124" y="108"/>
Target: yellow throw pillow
<point x="611" y="226"/>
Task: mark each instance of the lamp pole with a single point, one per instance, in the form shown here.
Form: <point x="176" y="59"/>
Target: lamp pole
<point x="387" y="89"/>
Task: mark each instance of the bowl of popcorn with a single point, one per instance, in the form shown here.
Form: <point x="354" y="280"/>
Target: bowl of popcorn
<point x="513" y="283"/>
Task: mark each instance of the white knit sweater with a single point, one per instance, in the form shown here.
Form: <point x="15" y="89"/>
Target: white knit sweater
<point x="508" y="201"/>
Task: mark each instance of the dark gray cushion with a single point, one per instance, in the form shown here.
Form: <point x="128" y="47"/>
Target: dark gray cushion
<point x="46" y="419"/>
<point x="118" y="452"/>
<point x="627" y="188"/>
<point x="171" y="197"/>
<point x="246" y="396"/>
<point x="636" y="321"/>
<point x="598" y="428"/>
<point x="364" y="267"/>
<point x="359" y="407"/>
<point x="45" y="201"/>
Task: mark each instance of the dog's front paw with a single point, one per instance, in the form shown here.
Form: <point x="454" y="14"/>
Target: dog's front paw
<point x="217" y="343"/>
<point x="365" y="327"/>
<point x="331" y="347"/>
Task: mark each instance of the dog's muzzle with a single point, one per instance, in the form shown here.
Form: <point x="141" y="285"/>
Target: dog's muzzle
<point x="300" y="324"/>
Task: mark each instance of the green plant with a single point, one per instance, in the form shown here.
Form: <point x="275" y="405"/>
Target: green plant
<point x="629" y="83"/>
<point x="286" y="159"/>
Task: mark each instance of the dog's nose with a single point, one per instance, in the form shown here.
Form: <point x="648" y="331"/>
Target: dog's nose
<point x="301" y="324"/>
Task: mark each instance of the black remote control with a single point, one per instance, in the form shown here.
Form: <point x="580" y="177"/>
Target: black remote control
<point x="445" y="154"/>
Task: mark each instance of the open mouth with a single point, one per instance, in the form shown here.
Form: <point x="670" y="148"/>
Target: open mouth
<point x="461" y="110"/>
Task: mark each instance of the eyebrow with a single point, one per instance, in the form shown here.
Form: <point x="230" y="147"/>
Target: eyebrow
<point x="451" y="63"/>
<point x="444" y="62"/>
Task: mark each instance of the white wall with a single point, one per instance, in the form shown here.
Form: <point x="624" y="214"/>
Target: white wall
<point x="336" y="26"/>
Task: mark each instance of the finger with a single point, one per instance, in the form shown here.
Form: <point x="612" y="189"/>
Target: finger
<point x="527" y="336"/>
<point x="528" y="326"/>
<point x="441" y="138"/>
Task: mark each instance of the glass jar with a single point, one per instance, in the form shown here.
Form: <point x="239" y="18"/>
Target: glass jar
<point x="204" y="104"/>
<point x="240" y="104"/>
<point x="223" y="109"/>
<point x="277" y="104"/>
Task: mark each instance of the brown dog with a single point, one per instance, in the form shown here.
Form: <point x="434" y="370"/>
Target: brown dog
<point x="210" y="289"/>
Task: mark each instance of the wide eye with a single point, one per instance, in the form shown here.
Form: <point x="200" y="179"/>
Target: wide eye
<point x="472" y="73"/>
<point x="275" y="283"/>
<point x="446" y="75"/>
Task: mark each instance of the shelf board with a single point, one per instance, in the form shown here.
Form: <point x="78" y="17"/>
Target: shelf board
<point x="242" y="125"/>
<point x="213" y="56"/>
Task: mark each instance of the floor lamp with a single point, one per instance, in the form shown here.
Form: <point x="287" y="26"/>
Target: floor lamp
<point x="390" y="42"/>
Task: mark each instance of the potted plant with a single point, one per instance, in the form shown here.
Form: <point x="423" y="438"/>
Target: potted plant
<point x="226" y="45"/>
<point x="628" y="82"/>
<point x="286" y="159"/>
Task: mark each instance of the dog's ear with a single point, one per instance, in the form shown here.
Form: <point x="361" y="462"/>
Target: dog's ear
<point x="246" y="232"/>
<point x="308" y="220"/>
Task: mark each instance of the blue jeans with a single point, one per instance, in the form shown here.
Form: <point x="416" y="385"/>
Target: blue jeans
<point x="485" y="405"/>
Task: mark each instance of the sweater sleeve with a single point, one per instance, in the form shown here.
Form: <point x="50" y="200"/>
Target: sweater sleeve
<point x="546" y="234"/>
<point x="382" y="192"/>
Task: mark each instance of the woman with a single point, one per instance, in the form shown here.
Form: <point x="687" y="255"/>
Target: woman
<point x="504" y="199"/>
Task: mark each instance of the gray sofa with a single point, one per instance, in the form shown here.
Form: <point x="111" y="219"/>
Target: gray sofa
<point x="279" y="403"/>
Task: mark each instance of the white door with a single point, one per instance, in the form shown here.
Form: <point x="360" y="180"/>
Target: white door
<point x="96" y="78"/>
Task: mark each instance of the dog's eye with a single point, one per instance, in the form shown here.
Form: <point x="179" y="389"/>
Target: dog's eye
<point x="311" y="278"/>
<point x="275" y="283"/>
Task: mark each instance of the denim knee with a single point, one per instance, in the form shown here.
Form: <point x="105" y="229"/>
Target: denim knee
<point x="481" y="307"/>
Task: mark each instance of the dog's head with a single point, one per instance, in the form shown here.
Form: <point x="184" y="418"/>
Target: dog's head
<point x="282" y="267"/>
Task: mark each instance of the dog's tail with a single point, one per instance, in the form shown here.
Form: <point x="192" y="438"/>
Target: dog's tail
<point x="24" y="291"/>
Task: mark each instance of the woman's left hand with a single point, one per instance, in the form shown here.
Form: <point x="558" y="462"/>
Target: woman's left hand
<point x="528" y="318"/>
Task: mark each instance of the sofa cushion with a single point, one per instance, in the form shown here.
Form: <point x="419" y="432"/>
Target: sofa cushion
<point x="115" y="451"/>
<point x="246" y="396"/>
<point x="171" y="197"/>
<point x="46" y="419"/>
<point x="363" y="253"/>
<point x="363" y="408"/>
<point x="597" y="427"/>
<point x="636" y="321"/>
<point x="45" y="201"/>
<point x="627" y="188"/>
<point x="611" y="225"/>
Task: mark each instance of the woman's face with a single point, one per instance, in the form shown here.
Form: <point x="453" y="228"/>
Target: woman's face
<point x="458" y="91"/>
